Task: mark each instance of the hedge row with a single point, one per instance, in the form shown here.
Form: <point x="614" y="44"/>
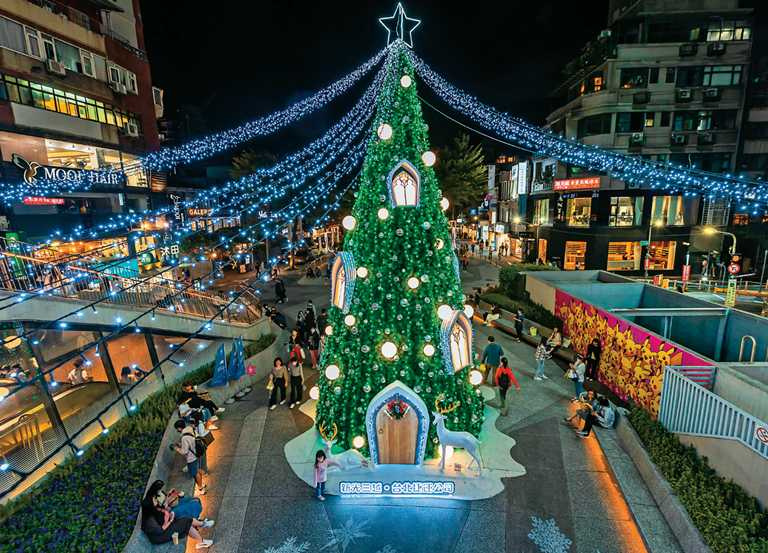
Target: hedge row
<point x="729" y="519"/>
<point x="90" y="504"/>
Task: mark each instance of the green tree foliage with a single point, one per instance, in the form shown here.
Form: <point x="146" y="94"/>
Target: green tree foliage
<point x="410" y="242"/>
<point x="462" y="173"/>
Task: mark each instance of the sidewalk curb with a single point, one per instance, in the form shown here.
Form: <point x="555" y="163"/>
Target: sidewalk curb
<point x="678" y="519"/>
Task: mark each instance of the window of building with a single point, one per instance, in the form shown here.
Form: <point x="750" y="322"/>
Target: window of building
<point x="579" y="211"/>
<point x="724" y="30"/>
<point x="717" y="162"/>
<point x="671" y="75"/>
<point x="87" y="63"/>
<point x="674" y="30"/>
<point x="634" y="121"/>
<point x="705" y="120"/>
<point x="755" y="162"/>
<point x="740" y="219"/>
<point x="665" y="118"/>
<point x="626" y="211"/>
<point x="689" y="75"/>
<point x="661" y="255"/>
<point x="68" y="55"/>
<point x="624" y="256"/>
<point x="22" y="91"/>
<point x="541" y="212"/>
<point x="654" y="75"/>
<point x="667" y="210"/>
<point x="542" y="251"/>
<point x="633" y="77"/>
<point x="595" y="124"/>
<point x="575" y="255"/>
<point x="33" y="43"/>
<point x="597" y="82"/>
<point x="721" y="75"/>
<point x="756" y="130"/>
<point x="404" y="184"/>
<point x="12" y="35"/>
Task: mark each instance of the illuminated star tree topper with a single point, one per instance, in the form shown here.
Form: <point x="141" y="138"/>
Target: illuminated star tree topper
<point x="400" y="26"/>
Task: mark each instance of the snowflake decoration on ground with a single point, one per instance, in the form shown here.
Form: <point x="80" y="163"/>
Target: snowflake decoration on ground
<point x="547" y="535"/>
<point x="346" y="534"/>
<point x="291" y="545"/>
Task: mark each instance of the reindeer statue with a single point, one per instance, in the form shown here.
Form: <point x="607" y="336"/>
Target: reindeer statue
<point x="464" y="440"/>
<point x="348" y="459"/>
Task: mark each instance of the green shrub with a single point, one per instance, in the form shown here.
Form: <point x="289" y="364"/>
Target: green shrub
<point x="91" y="503"/>
<point x="729" y="519"/>
<point x="512" y="278"/>
<point x="532" y="311"/>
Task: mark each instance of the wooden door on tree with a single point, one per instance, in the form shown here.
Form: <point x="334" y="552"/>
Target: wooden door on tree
<point x="397" y="438"/>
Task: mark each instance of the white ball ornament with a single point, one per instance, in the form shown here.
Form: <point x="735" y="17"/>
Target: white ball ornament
<point x="444" y="311"/>
<point x="469" y="311"/>
<point x="384" y="131"/>
<point x="388" y="350"/>
<point x="406" y="81"/>
<point x="314" y="392"/>
<point x="362" y="272"/>
<point x="349" y="320"/>
<point x="329" y="330"/>
<point x="413" y="283"/>
<point x="429" y="350"/>
<point x="383" y="213"/>
<point x="332" y="372"/>
<point x="428" y="158"/>
<point x="444" y="203"/>
<point x="475" y="378"/>
<point x="349" y="222"/>
<point x="358" y="442"/>
<point x="427" y="225"/>
<point x="439" y="243"/>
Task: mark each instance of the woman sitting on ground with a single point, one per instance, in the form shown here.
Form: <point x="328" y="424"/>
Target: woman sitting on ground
<point x="159" y="523"/>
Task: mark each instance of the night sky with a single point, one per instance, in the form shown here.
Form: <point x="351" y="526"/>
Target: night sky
<point x="238" y="61"/>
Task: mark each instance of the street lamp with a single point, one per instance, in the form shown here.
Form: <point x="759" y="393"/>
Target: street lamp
<point x="658" y="224"/>
<point x="712" y="230"/>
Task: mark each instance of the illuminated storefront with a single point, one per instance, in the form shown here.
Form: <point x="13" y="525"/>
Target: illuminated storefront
<point x="624" y="256"/>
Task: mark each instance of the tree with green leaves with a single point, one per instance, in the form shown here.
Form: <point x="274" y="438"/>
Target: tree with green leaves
<point x="462" y="173"/>
<point x="398" y="311"/>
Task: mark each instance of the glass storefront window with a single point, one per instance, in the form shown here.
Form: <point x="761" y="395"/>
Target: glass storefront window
<point x="579" y="211"/>
<point x="165" y="345"/>
<point x="542" y="254"/>
<point x="626" y="211"/>
<point x="575" y="255"/>
<point x="667" y="210"/>
<point x="661" y="255"/>
<point x="128" y="353"/>
<point x="541" y="212"/>
<point x="624" y="256"/>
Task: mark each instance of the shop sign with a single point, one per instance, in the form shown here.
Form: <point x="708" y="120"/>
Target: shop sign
<point x="541" y="186"/>
<point x="499" y="229"/>
<point x="583" y="183"/>
<point x="42" y="200"/>
<point x="522" y="178"/>
<point x="686" y="273"/>
<point x="401" y="489"/>
<point x="199" y="211"/>
<point x="32" y="171"/>
<point x="175" y="199"/>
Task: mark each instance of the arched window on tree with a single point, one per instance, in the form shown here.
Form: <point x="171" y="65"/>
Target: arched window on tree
<point x="404" y="185"/>
<point x="342" y="280"/>
<point x="456" y="342"/>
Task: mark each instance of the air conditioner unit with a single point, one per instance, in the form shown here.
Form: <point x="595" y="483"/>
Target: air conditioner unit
<point x="636" y="139"/>
<point x="684" y="95"/>
<point x="688" y="49"/>
<point x="706" y="138"/>
<point x="131" y="129"/>
<point x="678" y="139"/>
<point x="641" y="97"/>
<point x="120" y="88"/>
<point x="56" y="67"/>
<point x="711" y="94"/>
<point x="716" y="48"/>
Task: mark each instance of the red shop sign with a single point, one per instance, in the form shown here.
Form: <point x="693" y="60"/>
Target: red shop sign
<point x="584" y="183"/>
<point x="42" y="200"/>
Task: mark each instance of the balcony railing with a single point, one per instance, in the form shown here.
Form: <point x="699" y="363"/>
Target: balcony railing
<point x="70" y="13"/>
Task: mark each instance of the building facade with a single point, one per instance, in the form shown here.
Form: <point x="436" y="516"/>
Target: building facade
<point x="76" y="97"/>
<point x="666" y="84"/>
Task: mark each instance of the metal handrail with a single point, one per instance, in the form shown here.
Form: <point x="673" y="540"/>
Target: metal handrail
<point x="741" y="348"/>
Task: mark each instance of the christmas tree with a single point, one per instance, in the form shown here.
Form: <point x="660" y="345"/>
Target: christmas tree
<point x="398" y="308"/>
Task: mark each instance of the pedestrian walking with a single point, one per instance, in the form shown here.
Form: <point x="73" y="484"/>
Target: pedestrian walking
<point x="276" y="382"/>
<point x="576" y="373"/>
<point x="296" y="372"/>
<point x="314" y="347"/>
<point x="503" y="380"/>
<point x="280" y="291"/>
<point x="311" y="315"/>
<point x="593" y="358"/>
<point x="543" y="352"/>
<point x="491" y="358"/>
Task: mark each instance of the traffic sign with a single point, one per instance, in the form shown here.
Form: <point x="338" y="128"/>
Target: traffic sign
<point x="734" y="268"/>
<point x="761" y="433"/>
<point x="644" y="243"/>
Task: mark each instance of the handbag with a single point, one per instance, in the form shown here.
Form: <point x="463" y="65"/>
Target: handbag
<point x="208" y="438"/>
<point x="571" y="374"/>
<point x="270" y="384"/>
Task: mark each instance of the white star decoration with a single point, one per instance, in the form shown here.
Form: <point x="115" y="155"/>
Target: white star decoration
<point x="400" y="25"/>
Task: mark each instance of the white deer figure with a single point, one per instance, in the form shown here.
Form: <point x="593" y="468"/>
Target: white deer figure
<point x="347" y="460"/>
<point x="462" y="439"/>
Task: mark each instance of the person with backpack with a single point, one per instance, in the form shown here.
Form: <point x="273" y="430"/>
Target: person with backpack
<point x="504" y="379"/>
<point x="192" y="448"/>
<point x="491" y="356"/>
<point x="314" y="347"/>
